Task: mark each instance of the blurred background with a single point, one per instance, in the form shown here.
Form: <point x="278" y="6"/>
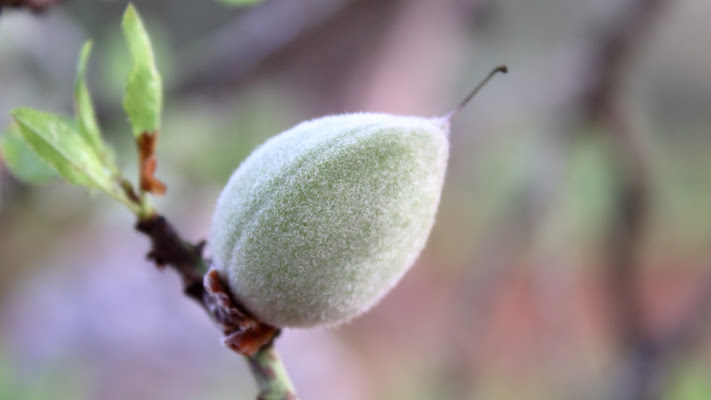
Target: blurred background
<point x="571" y="257"/>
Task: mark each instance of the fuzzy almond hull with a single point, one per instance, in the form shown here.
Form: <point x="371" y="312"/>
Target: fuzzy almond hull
<point x="322" y="220"/>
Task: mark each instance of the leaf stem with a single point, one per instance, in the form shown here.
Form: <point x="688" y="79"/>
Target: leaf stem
<point x="123" y="199"/>
<point x="145" y="209"/>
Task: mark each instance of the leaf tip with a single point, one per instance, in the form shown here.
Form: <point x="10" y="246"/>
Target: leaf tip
<point x="130" y="11"/>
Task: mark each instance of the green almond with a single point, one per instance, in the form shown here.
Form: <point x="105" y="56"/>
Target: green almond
<point x="321" y="221"/>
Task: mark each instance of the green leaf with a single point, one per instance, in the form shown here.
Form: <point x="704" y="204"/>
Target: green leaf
<point x="22" y="161"/>
<point x="239" y="3"/>
<point x="63" y="148"/>
<point x="143" y="100"/>
<point x="84" y="109"/>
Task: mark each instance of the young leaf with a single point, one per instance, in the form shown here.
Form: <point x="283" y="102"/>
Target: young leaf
<point x="22" y="161"/>
<point x="84" y="109"/>
<point x="144" y="94"/>
<point x="63" y="148"/>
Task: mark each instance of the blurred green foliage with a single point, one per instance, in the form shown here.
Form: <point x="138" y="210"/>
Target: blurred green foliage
<point x="58" y="382"/>
<point x="239" y="2"/>
<point x="693" y="384"/>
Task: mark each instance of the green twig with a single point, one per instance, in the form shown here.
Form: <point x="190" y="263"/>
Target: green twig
<point x="272" y="379"/>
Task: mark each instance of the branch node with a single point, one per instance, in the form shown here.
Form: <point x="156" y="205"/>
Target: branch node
<point x="243" y="333"/>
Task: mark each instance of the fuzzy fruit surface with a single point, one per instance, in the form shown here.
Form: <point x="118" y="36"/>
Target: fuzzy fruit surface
<point x="322" y="220"/>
